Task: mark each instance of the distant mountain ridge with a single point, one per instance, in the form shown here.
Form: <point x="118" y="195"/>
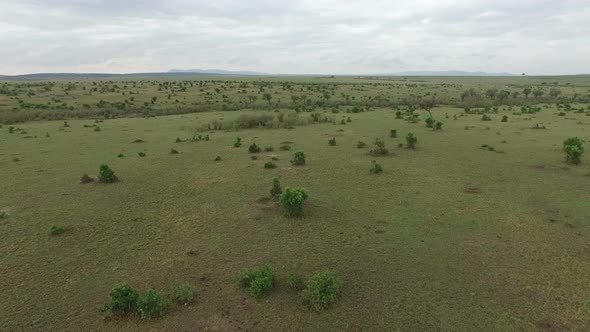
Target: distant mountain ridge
<point x="219" y="72"/>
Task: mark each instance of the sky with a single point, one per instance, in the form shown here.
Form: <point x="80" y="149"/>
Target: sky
<point x="295" y="36"/>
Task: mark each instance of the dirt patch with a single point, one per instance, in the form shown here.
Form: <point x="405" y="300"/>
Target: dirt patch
<point x="472" y="189"/>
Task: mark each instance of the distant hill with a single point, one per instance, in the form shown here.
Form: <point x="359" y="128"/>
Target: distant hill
<point x="219" y="72"/>
<point x="449" y="73"/>
<point x="83" y="76"/>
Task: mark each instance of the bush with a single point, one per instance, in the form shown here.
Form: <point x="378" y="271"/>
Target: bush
<point x="173" y="151"/>
<point x="379" y="148"/>
<point x="376" y="168"/>
<point x="141" y="154"/>
<point x="97" y="128"/>
<point x="106" y="175"/>
<point x="285" y="147"/>
<point x="258" y="281"/>
<point x="86" y="179"/>
<point x="295" y="282"/>
<point x="332" y="141"/>
<point x="276" y="190"/>
<point x="120" y="155"/>
<point x="123" y="301"/>
<point x="361" y="144"/>
<point x="393" y="133"/>
<point x="322" y="290"/>
<point x="293" y="201"/>
<point x="504" y="118"/>
<point x="184" y="294"/>
<point x="486" y="117"/>
<point x="151" y="304"/>
<point x="429" y="122"/>
<point x="298" y="158"/>
<point x="573" y="150"/>
<point x="11" y="130"/>
<point x="253" y="148"/>
<point x="3" y="215"/>
<point x="254" y="157"/>
<point x="238" y="142"/>
<point x="438" y="125"/>
<point x="56" y="230"/>
<point x="411" y="140"/>
<point x="269" y="149"/>
<point x="178" y="140"/>
<point x="270" y="165"/>
<point x="218" y="158"/>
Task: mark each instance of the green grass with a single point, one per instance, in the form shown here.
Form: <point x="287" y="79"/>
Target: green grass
<point x="450" y="237"/>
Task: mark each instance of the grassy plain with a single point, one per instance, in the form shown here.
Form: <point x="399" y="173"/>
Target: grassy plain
<point x="449" y="237"/>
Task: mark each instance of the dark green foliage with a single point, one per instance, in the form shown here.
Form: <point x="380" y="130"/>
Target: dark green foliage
<point x="120" y="155"/>
<point x="438" y="125"/>
<point x="321" y="291"/>
<point x="486" y="117"/>
<point x="295" y="282"/>
<point x="66" y="124"/>
<point x="285" y="147"/>
<point x="429" y="122"/>
<point x="184" y="294"/>
<point x="10" y="129"/>
<point x="573" y="148"/>
<point x="293" y="201"/>
<point x="238" y="142"/>
<point x="173" y="151"/>
<point x="393" y="133"/>
<point x="178" y="140"/>
<point x="349" y="119"/>
<point x="376" y="168"/>
<point x="97" y="128"/>
<point x="106" y="174"/>
<point x="276" y="190"/>
<point x="298" y="158"/>
<point x="86" y="179"/>
<point x="504" y="118"/>
<point x="269" y="149"/>
<point x="151" y="304"/>
<point x="270" y="165"/>
<point x="3" y="215"/>
<point x="123" y="301"/>
<point x="258" y="281"/>
<point x="361" y="144"/>
<point x="218" y="158"/>
<point x="411" y="140"/>
<point x="379" y="148"/>
<point x="332" y="141"/>
<point x="253" y="148"/>
<point x="56" y="230"/>
<point x="141" y="154"/>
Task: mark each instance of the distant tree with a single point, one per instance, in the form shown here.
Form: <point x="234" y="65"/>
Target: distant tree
<point x="527" y="91"/>
<point x="267" y="97"/>
<point x="492" y="93"/>
<point x="502" y="95"/>
<point x="538" y="93"/>
<point x="554" y="92"/>
<point x="515" y="94"/>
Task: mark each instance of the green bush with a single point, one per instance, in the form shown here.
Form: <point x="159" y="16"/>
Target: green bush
<point x="258" y="281"/>
<point x="218" y="158"/>
<point x="376" y="168"/>
<point x="3" y="215"/>
<point x="276" y="189"/>
<point x="141" y="154"/>
<point x="253" y="148"/>
<point x="254" y="157"/>
<point x="321" y="291"/>
<point x="295" y="282"/>
<point x="332" y="141"/>
<point x="10" y="129"/>
<point x="238" y="142"/>
<point x="298" y="158"/>
<point x="173" y="151"/>
<point x="573" y="148"/>
<point x="178" y="140"/>
<point x="411" y="140"/>
<point x="270" y="165"/>
<point x="269" y="149"/>
<point x="86" y="179"/>
<point x="56" y="230"/>
<point x="151" y="304"/>
<point x="361" y="144"/>
<point x="106" y="175"/>
<point x="120" y="155"/>
<point x="123" y="301"/>
<point x="486" y="117"/>
<point x="438" y="125"/>
<point x="504" y="118"/>
<point x="293" y="200"/>
<point x="379" y="148"/>
<point x="393" y="133"/>
<point x="285" y="147"/>
<point x="184" y="294"/>
<point x="429" y="122"/>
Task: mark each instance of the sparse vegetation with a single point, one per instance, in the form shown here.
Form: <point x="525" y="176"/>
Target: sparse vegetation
<point x="258" y="281"/>
<point x="321" y="291"/>
<point x="293" y="200"/>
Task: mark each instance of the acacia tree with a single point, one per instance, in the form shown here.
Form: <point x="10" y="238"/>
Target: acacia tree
<point x="527" y="91"/>
<point x="267" y="97"/>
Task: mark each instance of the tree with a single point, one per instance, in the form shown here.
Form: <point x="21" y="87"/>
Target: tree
<point x="538" y="92"/>
<point x="492" y="93"/>
<point x="527" y="91"/>
<point x="267" y="97"/>
<point x="502" y="95"/>
<point x="554" y="92"/>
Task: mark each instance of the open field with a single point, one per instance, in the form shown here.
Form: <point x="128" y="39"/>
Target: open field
<point x="451" y="236"/>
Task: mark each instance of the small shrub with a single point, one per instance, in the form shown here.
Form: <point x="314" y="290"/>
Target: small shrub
<point x="254" y="157"/>
<point x="123" y="301"/>
<point x="184" y="294"/>
<point x="411" y="140"/>
<point x="275" y="158"/>
<point x="276" y="190"/>
<point x="120" y="155"/>
<point x="573" y="148"/>
<point x="141" y="154"/>
<point x="218" y="158"/>
<point x="393" y="133"/>
<point x="429" y="122"/>
<point x="438" y="125"/>
<point x="504" y="118"/>
<point x="173" y="151"/>
<point x="178" y="140"/>
<point x="258" y="281"/>
<point x="361" y="144"/>
<point x="3" y="215"/>
<point x="10" y="129"/>
<point x="238" y="142"/>
<point x="486" y="117"/>
<point x="298" y="158"/>
<point x="56" y="230"/>
<point x="253" y="148"/>
<point x="295" y="282"/>
<point x="349" y="119"/>
<point x="376" y="168"/>
<point x="97" y="128"/>
<point x="138" y="140"/>
<point x="332" y="141"/>
<point x="321" y="291"/>
<point x="86" y="179"/>
<point x="151" y="304"/>
<point x="269" y="149"/>
<point x="285" y="147"/>
<point x="293" y="200"/>
<point x="106" y="174"/>
<point x="270" y="165"/>
<point x="379" y="148"/>
<point x="66" y="124"/>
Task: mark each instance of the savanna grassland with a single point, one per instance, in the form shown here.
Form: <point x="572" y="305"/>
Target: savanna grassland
<point x="483" y="226"/>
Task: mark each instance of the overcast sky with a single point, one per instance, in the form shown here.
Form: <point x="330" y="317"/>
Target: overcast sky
<point x="298" y="37"/>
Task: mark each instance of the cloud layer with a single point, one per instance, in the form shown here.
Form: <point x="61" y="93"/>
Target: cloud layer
<point x="298" y="37"/>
